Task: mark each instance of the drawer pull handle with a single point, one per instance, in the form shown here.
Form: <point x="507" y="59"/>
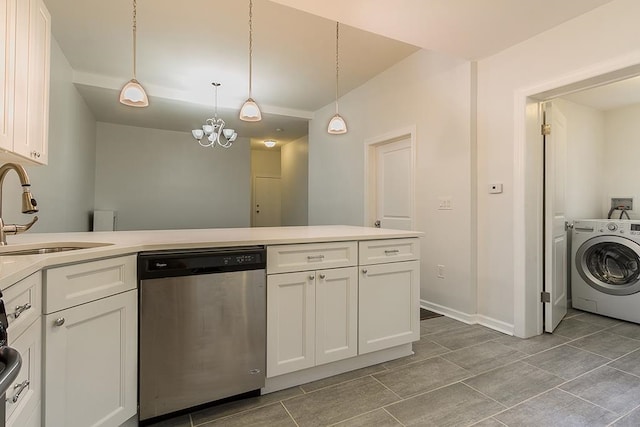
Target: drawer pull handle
<point x="315" y="257"/>
<point x="20" y="387"/>
<point x="322" y="276"/>
<point x="365" y="271"/>
<point x="59" y="321"/>
<point x="20" y="309"/>
<point x="389" y="252"/>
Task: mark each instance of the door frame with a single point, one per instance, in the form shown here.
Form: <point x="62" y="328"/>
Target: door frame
<point x="370" y="169"/>
<point x="528" y="187"/>
<point x="253" y="194"/>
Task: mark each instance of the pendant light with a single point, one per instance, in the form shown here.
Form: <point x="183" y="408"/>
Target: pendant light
<point x="133" y="94"/>
<point x="337" y="125"/>
<point x="250" y="112"/>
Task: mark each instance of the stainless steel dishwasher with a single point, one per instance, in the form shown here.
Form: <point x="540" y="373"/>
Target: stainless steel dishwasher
<point x="202" y="327"/>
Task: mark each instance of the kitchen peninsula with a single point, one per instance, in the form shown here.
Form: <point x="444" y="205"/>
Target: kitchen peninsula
<point x="339" y="298"/>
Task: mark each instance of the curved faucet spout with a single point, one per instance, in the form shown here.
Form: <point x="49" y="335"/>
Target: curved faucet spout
<point x="29" y="204"/>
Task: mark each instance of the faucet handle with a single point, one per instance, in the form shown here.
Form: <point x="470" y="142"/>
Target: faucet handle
<point x="17" y="228"/>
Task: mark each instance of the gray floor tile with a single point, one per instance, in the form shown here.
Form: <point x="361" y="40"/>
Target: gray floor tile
<point x="489" y="422"/>
<point x="533" y="345"/>
<point x="514" y="383"/>
<point x="439" y="324"/>
<point x="379" y="418"/>
<point x="566" y="362"/>
<point x="629" y="330"/>
<point x="573" y="328"/>
<point x="422" y="376"/>
<point x="347" y="376"/>
<point x="572" y="312"/>
<point x="597" y="320"/>
<point x="556" y="408"/>
<point x="607" y="387"/>
<point x="454" y="405"/>
<point x="630" y="420"/>
<point x="629" y="363"/>
<point x="181" y="421"/>
<point x="484" y="357"/>
<point x="607" y="344"/>
<point x="339" y="403"/>
<point x="226" y="409"/>
<point x="267" y="416"/>
<point x="422" y="349"/>
<point x="464" y="337"/>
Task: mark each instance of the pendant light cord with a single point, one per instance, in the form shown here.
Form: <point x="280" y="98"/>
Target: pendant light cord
<point x="250" y="45"/>
<point x="135" y="27"/>
<point x="337" y="62"/>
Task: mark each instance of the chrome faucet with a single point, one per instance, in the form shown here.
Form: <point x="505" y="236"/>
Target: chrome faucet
<point x="29" y="204"/>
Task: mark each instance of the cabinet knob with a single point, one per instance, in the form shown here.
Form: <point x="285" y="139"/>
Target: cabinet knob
<point x="365" y="271"/>
<point x="312" y="277"/>
<point x="59" y="321"/>
<point x="322" y="276"/>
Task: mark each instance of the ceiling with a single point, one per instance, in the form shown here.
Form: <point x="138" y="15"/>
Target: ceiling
<point x="608" y="97"/>
<point x="185" y="46"/>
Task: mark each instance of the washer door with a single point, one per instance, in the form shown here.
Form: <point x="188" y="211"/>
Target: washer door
<point x="610" y="264"/>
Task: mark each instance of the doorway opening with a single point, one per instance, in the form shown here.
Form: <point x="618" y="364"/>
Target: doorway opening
<point x="530" y="216"/>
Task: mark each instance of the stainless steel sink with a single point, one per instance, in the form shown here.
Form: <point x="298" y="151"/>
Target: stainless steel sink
<point x="38" y="249"/>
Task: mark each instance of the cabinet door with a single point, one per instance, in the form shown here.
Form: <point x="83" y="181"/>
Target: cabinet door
<point x="33" y="50"/>
<point x="290" y="322"/>
<point x="7" y="71"/>
<point x="90" y="365"/>
<point x="336" y="314"/>
<point x="389" y="306"/>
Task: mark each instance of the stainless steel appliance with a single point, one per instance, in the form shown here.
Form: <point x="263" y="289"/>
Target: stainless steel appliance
<point x="202" y="327"/>
<point x="10" y="361"/>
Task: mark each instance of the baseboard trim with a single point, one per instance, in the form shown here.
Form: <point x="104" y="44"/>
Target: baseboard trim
<point x="471" y="319"/>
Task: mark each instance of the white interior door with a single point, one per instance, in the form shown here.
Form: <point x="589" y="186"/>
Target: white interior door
<point x="267" y="202"/>
<point x="555" y="234"/>
<point x="394" y="185"/>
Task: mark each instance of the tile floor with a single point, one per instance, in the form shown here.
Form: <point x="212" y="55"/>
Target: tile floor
<point x="585" y="374"/>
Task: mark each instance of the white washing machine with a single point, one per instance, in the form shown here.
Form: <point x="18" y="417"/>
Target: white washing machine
<point x="605" y="272"/>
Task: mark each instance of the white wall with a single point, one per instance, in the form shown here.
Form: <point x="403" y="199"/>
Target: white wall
<point x="591" y="44"/>
<point x="158" y="179"/>
<point x="64" y="189"/>
<point x="622" y="178"/>
<point x="433" y="93"/>
<point x="585" y="154"/>
<point x="295" y="182"/>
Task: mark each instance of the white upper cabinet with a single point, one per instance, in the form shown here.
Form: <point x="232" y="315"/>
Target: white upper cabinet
<point x="24" y="76"/>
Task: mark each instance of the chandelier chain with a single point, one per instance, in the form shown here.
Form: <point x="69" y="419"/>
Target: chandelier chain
<point x="337" y="62"/>
<point x="250" y="45"/>
<point x="135" y="29"/>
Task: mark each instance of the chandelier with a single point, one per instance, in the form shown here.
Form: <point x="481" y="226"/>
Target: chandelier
<point x="214" y="129"/>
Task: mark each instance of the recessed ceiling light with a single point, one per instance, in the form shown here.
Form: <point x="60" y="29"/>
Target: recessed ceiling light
<point x="279" y="129"/>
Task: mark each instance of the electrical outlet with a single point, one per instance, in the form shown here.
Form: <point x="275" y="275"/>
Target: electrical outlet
<point x="441" y="271"/>
<point x="625" y="203"/>
<point x="444" y="203"/>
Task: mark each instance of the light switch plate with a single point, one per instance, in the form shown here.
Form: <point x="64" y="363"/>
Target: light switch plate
<point x="444" y="203"/>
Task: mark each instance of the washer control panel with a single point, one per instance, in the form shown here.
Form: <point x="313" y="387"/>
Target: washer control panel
<point x="615" y="227"/>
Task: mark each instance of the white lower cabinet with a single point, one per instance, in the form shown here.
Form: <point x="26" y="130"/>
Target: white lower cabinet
<point x="90" y="349"/>
<point x="311" y="318"/>
<point x="389" y="305"/>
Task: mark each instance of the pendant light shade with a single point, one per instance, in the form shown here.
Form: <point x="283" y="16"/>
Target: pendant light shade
<point x="337" y="125"/>
<point x="133" y="94"/>
<point x="250" y="112"/>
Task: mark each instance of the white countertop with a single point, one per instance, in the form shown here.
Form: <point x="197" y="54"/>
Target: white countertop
<point x="15" y="268"/>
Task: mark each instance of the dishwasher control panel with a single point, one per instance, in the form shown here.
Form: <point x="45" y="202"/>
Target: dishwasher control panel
<point x="201" y="261"/>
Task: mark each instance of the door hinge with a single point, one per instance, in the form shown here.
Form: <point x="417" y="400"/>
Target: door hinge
<point x="545" y="129"/>
<point x="545" y="297"/>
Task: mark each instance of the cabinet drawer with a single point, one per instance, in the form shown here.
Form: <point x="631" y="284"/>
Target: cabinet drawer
<point x="389" y="250"/>
<point x="24" y="394"/>
<point x="77" y="284"/>
<point x="311" y="256"/>
<point x="23" y="303"/>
